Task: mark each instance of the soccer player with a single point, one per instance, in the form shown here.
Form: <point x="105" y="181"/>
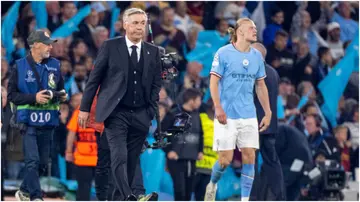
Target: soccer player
<point x="236" y="68"/>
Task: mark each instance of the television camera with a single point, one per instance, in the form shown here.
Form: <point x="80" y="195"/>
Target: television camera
<point x="325" y="181"/>
<point x="182" y="122"/>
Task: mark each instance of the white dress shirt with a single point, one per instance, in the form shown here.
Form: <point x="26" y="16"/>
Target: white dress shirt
<point x="129" y="44"/>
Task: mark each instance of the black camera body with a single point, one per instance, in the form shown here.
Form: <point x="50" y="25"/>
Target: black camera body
<point x="328" y="183"/>
<point x="169" y="61"/>
<point x="181" y="124"/>
<point x="55" y="95"/>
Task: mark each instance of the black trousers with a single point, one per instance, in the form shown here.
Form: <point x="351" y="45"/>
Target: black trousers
<point x="182" y="173"/>
<point x="84" y="177"/>
<point x="126" y="131"/>
<point x="104" y="185"/>
<point x="201" y="181"/>
<point x="269" y="183"/>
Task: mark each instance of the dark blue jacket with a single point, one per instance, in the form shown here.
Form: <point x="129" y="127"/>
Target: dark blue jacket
<point x="272" y="84"/>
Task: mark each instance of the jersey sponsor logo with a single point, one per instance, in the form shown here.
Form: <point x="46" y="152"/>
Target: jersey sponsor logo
<point x="243" y="77"/>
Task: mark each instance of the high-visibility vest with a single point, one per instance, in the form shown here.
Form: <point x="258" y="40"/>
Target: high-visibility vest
<point x="85" y="153"/>
<point x="210" y="156"/>
<point x="38" y="115"/>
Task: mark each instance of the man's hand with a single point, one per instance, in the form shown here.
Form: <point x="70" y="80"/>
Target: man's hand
<point x="69" y="157"/>
<point x="64" y="97"/>
<point x="200" y="156"/>
<point x="265" y="122"/>
<point x="42" y="98"/>
<point x="173" y="155"/>
<point x="83" y="118"/>
<point x="220" y="115"/>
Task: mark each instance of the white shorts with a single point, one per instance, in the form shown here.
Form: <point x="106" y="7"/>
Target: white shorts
<point x="243" y="133"/>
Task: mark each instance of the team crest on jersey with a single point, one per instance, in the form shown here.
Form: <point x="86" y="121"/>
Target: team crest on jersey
<point x="245" y="63"/>
<point x="51" y="81"/>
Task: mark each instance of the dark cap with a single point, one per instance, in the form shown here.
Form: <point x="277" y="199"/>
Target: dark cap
<point x="40" y="36"/>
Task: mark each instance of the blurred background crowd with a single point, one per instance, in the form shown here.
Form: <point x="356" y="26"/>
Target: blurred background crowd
<point x="305" y="42"/>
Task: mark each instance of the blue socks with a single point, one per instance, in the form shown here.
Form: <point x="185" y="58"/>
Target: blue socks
<point x="216" y="173"/>
<point x="247" y="178"/>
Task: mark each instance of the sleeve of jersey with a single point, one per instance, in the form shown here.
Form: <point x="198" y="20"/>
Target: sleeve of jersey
<point x="217" y="68"/>
<point x="73" y="125"/>
<point x="261" y="74"/>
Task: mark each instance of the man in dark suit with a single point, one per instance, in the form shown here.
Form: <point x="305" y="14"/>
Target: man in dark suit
<point x="128" y="73"/>
<point x="268" y="184"/>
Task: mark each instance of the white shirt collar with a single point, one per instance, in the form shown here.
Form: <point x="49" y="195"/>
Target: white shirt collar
<point x="129" y="43"/>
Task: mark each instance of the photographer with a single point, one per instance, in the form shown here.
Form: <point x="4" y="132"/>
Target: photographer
<point x="33" y="85"/>
<point x="185" y="148"/>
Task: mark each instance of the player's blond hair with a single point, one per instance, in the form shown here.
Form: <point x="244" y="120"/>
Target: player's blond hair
<point x="232" y="31"/>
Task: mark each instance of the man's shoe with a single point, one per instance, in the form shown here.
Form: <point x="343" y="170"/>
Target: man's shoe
<point x="38" y="199"/>
<point x="22" y="196"/>
<point x="150" y="197"/>
<point x="210" y="194"/>
<point x="131" y="197"/>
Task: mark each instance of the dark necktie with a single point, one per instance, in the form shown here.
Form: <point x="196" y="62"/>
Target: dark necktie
<point x="134" y="54"/>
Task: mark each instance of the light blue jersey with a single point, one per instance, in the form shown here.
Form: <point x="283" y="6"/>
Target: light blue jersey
<point x="238" y="72"/>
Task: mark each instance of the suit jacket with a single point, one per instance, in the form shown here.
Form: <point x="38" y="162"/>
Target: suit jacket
<point x="272" y="83"/>
<point x="111" y="74"/>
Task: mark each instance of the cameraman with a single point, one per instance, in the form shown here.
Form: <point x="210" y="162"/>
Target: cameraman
<point x="185" y="148"/>
<point x="37" y="115"/>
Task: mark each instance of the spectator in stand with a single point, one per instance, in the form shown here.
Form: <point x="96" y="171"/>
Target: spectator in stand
<point x="348" y="26"/>
<point x="323" y="66"/>
<point x="68" y="10"/>
<point x="193" y="79"/>
<point x="87" y="28"/>
<point x="302" y="28"/>
<point x="334" y="42"/>
<point x="279" y="57"/>
<point x="304" y="63"/>
<point x="182" y="20"/>
<point x="269" y="32"/>
<point x="53" y="11"/>
<point x="222" y="27"/>
<point x="143" y="5"/>
<point x="100" y="35"/>
<point x="342" y="136"/>
<point x="59" y="49"/>
<point x="78" y="51"/>
<point x="166" y="34"/>
<point x="235" y="10"/>
<point x="352" y="121"/>
<point x="196" y="10"/>
<point x="78" y="81"/>
<point x="89" y="64"/>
